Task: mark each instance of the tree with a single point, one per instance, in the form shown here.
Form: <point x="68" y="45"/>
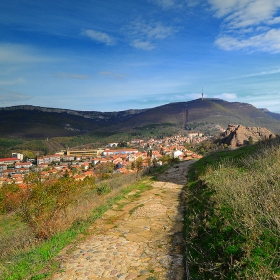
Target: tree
<point x="132" y="165"/>
<point x="122" y="144"/>
<point x="166" y="158"/>
<point x="139" y="165"/>
<point x="154" y="162"/>
<point x="250" y="140"/>
<point x="104" y="169"/>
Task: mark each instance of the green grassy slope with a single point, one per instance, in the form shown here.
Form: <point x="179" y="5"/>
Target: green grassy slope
<point x="232" y="219"/>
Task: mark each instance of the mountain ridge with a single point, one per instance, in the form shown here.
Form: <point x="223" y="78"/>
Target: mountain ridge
<point x="206" y="115"/>
<point x="86" y="114"/>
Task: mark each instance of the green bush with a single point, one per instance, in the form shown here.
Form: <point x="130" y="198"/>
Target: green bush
<point x="103" y="189"/>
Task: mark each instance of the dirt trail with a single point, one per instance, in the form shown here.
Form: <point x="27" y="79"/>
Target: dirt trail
<point x="139" y="238"/>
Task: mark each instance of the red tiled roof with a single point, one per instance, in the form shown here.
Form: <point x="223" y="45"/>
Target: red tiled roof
<point x="9" y="159"/>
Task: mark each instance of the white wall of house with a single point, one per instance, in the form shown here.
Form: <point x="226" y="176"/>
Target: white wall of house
<point x="177" y="153"/>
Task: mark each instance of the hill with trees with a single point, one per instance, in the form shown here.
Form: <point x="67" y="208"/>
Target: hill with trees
<point x="206" y="115"/>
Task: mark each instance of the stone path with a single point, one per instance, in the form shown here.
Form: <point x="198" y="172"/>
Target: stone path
<point x="139" y="238"/>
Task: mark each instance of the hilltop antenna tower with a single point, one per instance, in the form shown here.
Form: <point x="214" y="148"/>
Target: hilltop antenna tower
<point x="202" y="94"/>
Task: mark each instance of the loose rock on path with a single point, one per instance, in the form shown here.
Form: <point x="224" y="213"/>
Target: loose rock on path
<point x="139" y="238"/>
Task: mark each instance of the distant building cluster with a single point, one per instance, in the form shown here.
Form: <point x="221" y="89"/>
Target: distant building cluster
<point x="86" y="162"/>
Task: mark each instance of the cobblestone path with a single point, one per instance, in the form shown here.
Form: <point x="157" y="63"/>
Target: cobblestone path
<point x="139" y="238"/>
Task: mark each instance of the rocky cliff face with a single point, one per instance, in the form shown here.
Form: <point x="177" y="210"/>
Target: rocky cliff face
<point x="238" y="135"/>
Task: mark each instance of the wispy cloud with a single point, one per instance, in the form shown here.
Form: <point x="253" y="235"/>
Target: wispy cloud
<point x="12" y="82"/>
<point x="99" y="37"/>
<point x="150" y="30"/>
<point x="264" y="100"/>
<point x="165" y="4"/>
<point x="144" y="34"/>
<point x="248" y="24"/>
<point x="170" y="4"/>
<point x="111" y="74"/>
<point x="267" y="42"/>
<point x="226" y="96"/>
<point x="9" y="98"/>
<point x="263" y="73"/>
<point x="72" y="76"/>
<point x="275" y="20"/>
<point x="144" y="45"/>
<point x="192" y="3"/>
<point x="240" y="13"/>
<point x="14" y="53"/>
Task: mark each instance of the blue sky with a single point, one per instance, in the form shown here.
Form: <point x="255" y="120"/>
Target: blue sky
<point x="112" y="55"/>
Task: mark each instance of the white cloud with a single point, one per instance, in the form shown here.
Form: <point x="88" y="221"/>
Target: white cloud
<point x="144" y="34"/>
<point x="226" y="96"/>
<point x="252" y="13"/>
<point x="100" y="37"/>
<point x="275" y="20"/>
<point x="247" y="24"/>
<point x="152" y="30"/>
<point x="266" y="42"/>
<point x="9" y="98"/>
<point x="242" y="12"/>
<point x="262" y="28"/>
<point x="72" y="76"/>
<point x="264" y="100"/>
<point x="143" y="45"/>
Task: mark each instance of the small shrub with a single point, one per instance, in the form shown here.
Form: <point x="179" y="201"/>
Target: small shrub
<point x="10" y="198"/>
<point x="103" y="189"/>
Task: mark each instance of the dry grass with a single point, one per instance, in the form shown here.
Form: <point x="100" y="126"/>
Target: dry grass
<point x="238" y="213"/>
<point x="14" y="235"/>
<point x="251" y="187"/>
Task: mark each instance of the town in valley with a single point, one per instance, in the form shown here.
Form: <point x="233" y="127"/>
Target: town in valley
<point x="114" y="159"/>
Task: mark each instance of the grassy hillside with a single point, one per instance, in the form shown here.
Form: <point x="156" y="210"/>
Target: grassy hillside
<point x="220" y="112"/>
<point x="205" y="115"/>
<point x="36" y="124"/>
<point x="233" y="209"/>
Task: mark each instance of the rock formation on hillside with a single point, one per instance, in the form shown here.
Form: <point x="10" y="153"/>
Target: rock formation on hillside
<point x="238" y="135"/>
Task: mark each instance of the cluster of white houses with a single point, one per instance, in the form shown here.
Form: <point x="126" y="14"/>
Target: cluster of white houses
<point x="86" y="160"/>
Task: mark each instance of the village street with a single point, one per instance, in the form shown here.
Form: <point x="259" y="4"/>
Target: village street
<point x="139" y="238"/>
